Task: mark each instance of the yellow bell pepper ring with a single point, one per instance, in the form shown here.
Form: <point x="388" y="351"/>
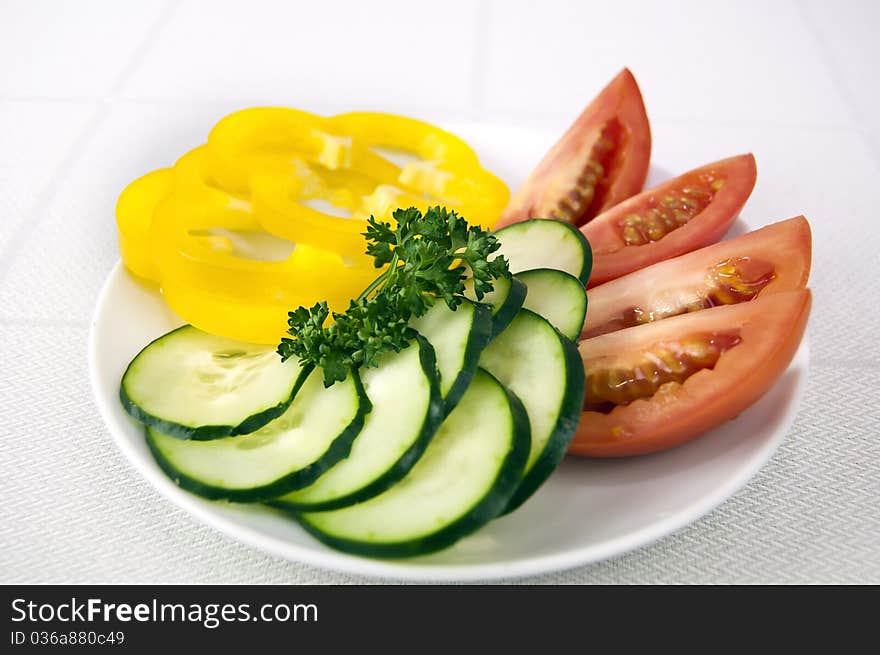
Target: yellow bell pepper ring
<point x="287" y="174"/>
<point x="326" y="211"/>
<point x="268" y="138"/>
<point x="441" y="165"/>
<point x="134" y="215"/>
<point x="177" y="233"/>
<point x="232" y="313"/>
<point x="233" y="318"/>
<point x="183" y="220"/>
<point x="408" y="135"/>
<point x="311" y="203"/>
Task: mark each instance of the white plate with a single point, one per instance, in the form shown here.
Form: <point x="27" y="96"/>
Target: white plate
<point x="588" y="510"/>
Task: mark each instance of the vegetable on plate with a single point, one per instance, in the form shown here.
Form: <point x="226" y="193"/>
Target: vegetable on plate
<point x="661" y="384"/>
<point x="546" y="244"/>
<point x="193" y="385"/>
<point x="463" y="481"/>
<point x="315" y="432"/>
<point x="675" y="217"/>
<point x="601" y="160"/>
<point x="772" y="259"/>
<point x="304" y="184"/>
<point x="433" y="374"/>
<point x="394" y="435"/>
<point x="365" y="412"/>
<point x="541" y="366"/>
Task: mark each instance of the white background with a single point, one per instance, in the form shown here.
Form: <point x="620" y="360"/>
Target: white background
<point x="96" y="92"/>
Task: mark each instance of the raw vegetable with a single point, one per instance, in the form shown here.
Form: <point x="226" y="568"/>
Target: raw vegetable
<point x="680" y="215"/>
<point x="543" y="369"/>
<point x="458" y="338"/>
<point x="292" y="451"/>
<point x="558" y="297"/>
<point x="546" y="244"/>
<point x="505" y="299"/>
<point x="182" y="241"/>
<point x="193" y="385"/>
<point x="288" y="161"/>
<point x="538" y="245"/>
<point x="600" y="161"/>
<point x="428" y="257"/>
<point x="773" y="259"/>
<point x="662" y="384"/>
<point x="369" y="435"/>
<point x="449" y="389"/>
<point x="265" y="172"/>
<point x="466" y="477"/>
<point x="407" y="409"/>
<point x="395" y="435"/>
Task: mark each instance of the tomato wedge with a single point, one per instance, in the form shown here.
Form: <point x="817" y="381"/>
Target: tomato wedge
<point x="601" y="160"/>
<point x="659" y="385"/>
<point x="678" y="216"/>
<point x="770" y="260"/>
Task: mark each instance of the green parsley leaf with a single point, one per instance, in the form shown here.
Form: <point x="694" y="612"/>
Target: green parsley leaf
<point x="427" y="258"/>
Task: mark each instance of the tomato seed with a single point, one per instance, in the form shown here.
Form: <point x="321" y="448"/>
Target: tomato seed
<point x="580" y="202"/>
<point x="664" y="363"/>
<point x="737" y="279"/>
<point x="732" y="281"/>
<point x="669" y="213"/>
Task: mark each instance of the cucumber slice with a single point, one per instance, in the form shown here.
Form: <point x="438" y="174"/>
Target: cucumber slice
<point x="190" y="384"/>
<point x="557" y="296"/>
<point x="506" y="298"/>
<point x="464" y="480"/>
<point x="458" y="338"/>
<point x="315" y="432"/>
<point x="404" y="391"/>
<point x="540" y="243"/>
<point x="543" y="368"/>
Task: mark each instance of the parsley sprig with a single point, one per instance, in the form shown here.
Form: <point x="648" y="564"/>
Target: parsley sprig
<point x="428" y="257"/>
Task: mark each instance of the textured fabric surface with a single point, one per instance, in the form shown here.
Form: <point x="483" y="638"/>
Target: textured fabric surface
<point x="74" y="510"/>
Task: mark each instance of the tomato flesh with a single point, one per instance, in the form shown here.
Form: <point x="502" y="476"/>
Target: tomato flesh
<point x="586" y="193"/>
<point x="676" y="217"/>
<point x="773" y="259"/>
<point x="601" y="160"/>
<point x="710" y="366"/>
<point x="641" y="374"/>
<point x="669" y="212"/>
<point x="732" y="281"/>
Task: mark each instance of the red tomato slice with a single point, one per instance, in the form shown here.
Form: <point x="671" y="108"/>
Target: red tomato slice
<point x="680" y="215"/>
<point x="659" y="385"/>
<point x="601" y="160"/>
<point x="773" y="259"/>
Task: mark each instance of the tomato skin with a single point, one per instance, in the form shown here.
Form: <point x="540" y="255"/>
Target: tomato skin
<point x="770" y="329"/>
<point x="786" y="245"/>
<point x="612" y="257"/>
<point x="620" y="102"/>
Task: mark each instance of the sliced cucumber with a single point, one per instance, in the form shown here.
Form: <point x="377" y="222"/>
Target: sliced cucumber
<point x="557" y="296"/>
<point x="292" y="451"/>
<point x="190" y="384"/>
<point x="540" y="243"/>
<point x="465" y="479"/>
<point x="543" y="368"/>
<point x="506" y="298"/>
<point x="407" y="410"/>
<point x="458" y="338"/>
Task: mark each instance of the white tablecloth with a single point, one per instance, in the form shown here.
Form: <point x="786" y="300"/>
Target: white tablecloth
<point x="96" y="92"/>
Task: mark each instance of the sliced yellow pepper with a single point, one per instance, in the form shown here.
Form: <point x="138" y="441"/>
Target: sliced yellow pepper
<point x="173" y="233"/>
<point x="134" y="215"/>
<point x="307" y="179"/>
